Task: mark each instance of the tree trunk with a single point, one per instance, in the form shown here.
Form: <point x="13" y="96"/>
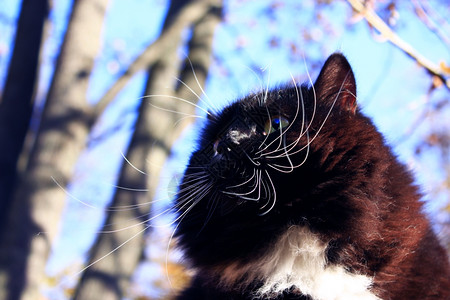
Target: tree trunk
<point x="18" y="95"/>
<point x="38" y="201"/>
<point x="115" y="255"/>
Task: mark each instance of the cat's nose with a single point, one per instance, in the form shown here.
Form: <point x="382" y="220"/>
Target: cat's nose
<point x="221" y="148"/>
<point x="223" y="161"/>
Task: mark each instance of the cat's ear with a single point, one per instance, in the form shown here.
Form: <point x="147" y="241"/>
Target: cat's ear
<point x="336" y="83"/>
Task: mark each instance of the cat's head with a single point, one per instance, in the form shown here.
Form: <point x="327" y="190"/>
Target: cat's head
<point x="262" y="162"/>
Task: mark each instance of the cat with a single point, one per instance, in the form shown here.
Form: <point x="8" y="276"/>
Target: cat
<point x="292" y="193"/>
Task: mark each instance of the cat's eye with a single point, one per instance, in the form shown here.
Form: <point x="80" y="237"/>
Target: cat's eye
<point x="275" y="124"/>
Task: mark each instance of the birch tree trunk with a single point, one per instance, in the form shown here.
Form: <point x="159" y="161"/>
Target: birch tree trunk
<point x="115" y="255"/>
<point x="38" y="201"/>
<point x="18" y="95"/>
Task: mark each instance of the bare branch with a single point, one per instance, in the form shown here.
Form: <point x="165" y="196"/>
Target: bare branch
<point x="426" y="17"/>
<point x="190" y="14"/>
<point x="376" y="22"/>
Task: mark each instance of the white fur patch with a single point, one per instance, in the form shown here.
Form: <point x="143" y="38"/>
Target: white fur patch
<point x="298" y="260"/>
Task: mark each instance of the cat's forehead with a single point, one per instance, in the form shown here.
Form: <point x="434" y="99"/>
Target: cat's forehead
<point x="258" y="107"/>
<point x="278" y="100"/>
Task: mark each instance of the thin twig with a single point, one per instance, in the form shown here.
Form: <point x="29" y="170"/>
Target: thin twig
<point x="376" y="22"/>
<point x="427" y="19"/>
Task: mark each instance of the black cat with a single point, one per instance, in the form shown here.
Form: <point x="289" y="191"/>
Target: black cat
<point x="293" y="194"/>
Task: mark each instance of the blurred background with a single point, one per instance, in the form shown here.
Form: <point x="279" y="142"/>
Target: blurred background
<point x="101" y="102"/>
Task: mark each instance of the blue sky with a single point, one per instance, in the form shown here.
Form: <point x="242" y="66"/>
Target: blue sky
<point x="391" y="87"/>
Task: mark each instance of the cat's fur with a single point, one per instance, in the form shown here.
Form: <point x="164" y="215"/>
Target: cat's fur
<point x="293" y="194"/>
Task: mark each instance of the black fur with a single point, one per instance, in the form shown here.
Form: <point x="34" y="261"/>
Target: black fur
<point x="347" y="187"/>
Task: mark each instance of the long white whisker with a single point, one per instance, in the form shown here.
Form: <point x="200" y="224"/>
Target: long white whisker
<point x="212" y="207"/>
<point x="177" y="112"/>
<point x="128" y="189"/>
<point x="267" y="135"/>
<point x="153" y="217"/>
<point x="170" y="241"/>
<point x="110" y="252"/>
<point x="242" y="195"/>
<point x="180" y="99"/>
<point x="179" y="220"/>
<point x="244" y="183"/>
<point x="303" y="131"/>
<point x="256" y="75"/>
<point x="274" y="195"/>
<point x="325" y="119"/>
<point x="286" y="155"/>
<point x="133" y="166"/>
<point x="267" y="86"/>
<point x="252" y="160"/>
<point x="72" y="196"/>
<point x="185" y="202"/>
<point x="284" y="131"/>
<point x="209" y="101"/>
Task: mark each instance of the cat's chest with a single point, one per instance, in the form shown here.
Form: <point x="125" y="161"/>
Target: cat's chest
<point x="298" y="260"/>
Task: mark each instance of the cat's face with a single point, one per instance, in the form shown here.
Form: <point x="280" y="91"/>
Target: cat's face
<point x="248" y="144"/>
<point x="261" y="158"/>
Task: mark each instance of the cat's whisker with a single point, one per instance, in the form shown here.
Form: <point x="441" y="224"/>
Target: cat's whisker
<point x="283" y="131"/>
<point x="266" y="92"/>
<point x="112" y="208"/>
<point x="255" y="186"/>
<point x="291" y="167"/>
<point x="72" y="196"/>
<point x="151" y="218"/>
<point x="198" y="194"/>
<point x="286" y="154"/>
<point x="292" y="145"/>
<point x="180" y="99"/>
<point x="193" y="199"/>
<point x="180" y="218"/>
<point x="243" y="197"/>
<point x="323" y="122"/>
<point x="127" y="227"/>
<point x="257" y="77"/>
<point x="171" y="238"/>
<point x="244" y="183"/>
<point x="190" y="89"/>
<point x="178" y="112"/>
<point x="167" y="253"/>
<point x="313" y="115"/>
<point x="183" y="201"/>
<point x="256" y="163"/>
<point x="266" y="189"/>
<point x="131" y="165"/>
<point x="212" y="207"/>
<point x="208" y="101"/>
<point x="263" y="143"/>
<point x="184" y="118"/>
<point x="129" y="189"/>
<point x="193" y="182"/>
<point x="195" y="177"/>
<point x="75" y="275"/>
<point x="325" y="119"/>
<point x="191" y="186"/>
<point x="274" y="196"/>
